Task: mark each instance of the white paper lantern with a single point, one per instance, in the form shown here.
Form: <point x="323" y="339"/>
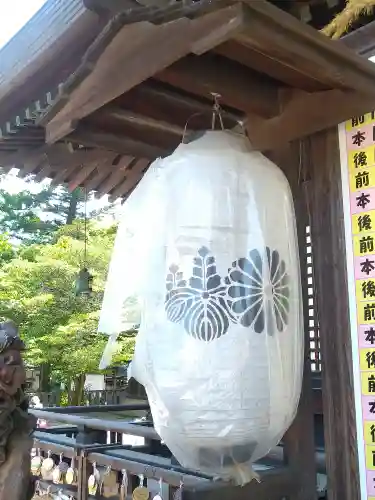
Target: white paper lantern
<point x="216" y="268"/>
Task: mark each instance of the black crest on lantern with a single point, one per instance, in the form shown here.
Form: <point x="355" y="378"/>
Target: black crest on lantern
<point x="255" y="287"/>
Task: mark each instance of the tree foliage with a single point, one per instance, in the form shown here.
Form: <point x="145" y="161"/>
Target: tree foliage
<point x="42" y="248"/>
<point x="7" y="252"/>
<point x="37" y="291"/>
<point x="29" y="217"/>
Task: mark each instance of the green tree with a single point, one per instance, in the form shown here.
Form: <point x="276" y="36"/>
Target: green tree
<point x="7" y="252"/>
<point x="37" y="292"/>
<point x="33" y="217"/>
<point x="76" y="349"/>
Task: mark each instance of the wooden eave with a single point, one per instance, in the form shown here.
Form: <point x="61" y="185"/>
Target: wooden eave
<point x="44" y="53"/>
<point x="316" y="13"/>
<point x="150" y="74"/>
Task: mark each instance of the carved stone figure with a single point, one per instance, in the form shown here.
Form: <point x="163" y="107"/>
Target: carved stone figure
<point x="16" y="424"/>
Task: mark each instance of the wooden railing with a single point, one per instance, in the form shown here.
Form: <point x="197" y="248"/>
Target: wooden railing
<point x="97" y="444"/>
<point x="105" y="397"/>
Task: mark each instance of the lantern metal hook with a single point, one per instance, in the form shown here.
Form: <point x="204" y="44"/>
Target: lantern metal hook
<point x="217" y="112"/>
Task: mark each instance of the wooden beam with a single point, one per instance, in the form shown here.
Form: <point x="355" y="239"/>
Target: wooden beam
<point x="82" y="175"/>
<point x="149" y="125"/>
<point x="306" y="113"/>
<point x="268" y="66"/>
<point x="43" y="173"/>
<point x="29" y="167"/>
<point x="64" y="155"/>
<point x="60" y="155"/>
<point x="239" y="87"/>
<point x="16" y="159"/>
<point x="17" y="140"/>
<point x="159" y="102"/>
<point x="143" y="49"/>
<point x="92" y="137"/>
<point x="103" y="171"/>
<point x="132" y="179"/>
<point x="62" y="175"/>
<point x="279" y="36"/>
<point x="299" y="446"/>
<point x="220" y="31"/>
<point x="119" y="173"/>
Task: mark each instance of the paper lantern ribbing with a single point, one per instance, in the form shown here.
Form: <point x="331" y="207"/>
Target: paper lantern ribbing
<point x="220" y="349"/>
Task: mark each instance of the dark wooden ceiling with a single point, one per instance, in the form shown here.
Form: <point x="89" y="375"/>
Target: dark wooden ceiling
<point x="150" y="74"/>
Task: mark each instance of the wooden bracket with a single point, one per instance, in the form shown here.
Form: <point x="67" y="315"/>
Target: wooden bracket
<point x="304" y="113"/>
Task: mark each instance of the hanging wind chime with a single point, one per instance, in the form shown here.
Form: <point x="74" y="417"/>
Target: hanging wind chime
<point x="84" y="279"/>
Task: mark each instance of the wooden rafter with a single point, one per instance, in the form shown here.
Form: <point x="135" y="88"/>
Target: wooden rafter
<point x="23" y="155"/>
<point x="144" y="49"/>
<point x="92" y="174"/>
<point x="132" y="179"/>
<point x="122" y="116"/>
<point x="61" y="154"/>
<point x="45" y="171"/>
<point x="62" y="175"/>
<point x="92" y="137"/>
<point x="161" y="103"/>
<point x="101" y="173"/>
<point x="29" y="167"/>
<point x="58" y="155"/>
<point x="82" y="175"/>
<point x="118" y="174"/>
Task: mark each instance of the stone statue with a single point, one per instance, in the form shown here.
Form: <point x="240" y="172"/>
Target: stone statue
<point x="16" y="425"/>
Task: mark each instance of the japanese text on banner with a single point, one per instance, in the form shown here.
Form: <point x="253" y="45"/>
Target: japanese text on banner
<point x="360" y="168"/>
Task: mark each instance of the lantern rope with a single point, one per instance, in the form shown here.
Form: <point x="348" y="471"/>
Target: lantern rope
<point x="85" y="231"/>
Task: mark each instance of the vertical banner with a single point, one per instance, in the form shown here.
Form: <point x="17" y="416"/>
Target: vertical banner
<point x="357" y="152"/>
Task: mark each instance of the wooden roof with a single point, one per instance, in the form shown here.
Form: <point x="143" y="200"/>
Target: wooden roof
<point x="151" y="71"/>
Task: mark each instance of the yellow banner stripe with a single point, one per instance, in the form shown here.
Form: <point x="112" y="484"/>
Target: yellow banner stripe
<point x="370" y="457"/>
<point x="359" y="121"/>
<point x="367" y="360"/>
<point x="365" y="290"/>
<point x="363" y="223"/>
<point x="368" y="383"/>
<point x="364" y="244"/>
<point x="361" y="158"/>
<point x="362" y="179"/>
<point x="366" y="313"/>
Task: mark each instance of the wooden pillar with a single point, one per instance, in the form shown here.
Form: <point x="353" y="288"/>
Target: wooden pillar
<point x="299" y="446"/>
<point x="328" y="240"/>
